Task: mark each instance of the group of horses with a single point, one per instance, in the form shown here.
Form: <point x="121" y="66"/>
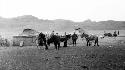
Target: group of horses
<point x="55" y="39"/>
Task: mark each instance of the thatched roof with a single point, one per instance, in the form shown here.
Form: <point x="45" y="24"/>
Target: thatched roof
<point x="29" y="32"/>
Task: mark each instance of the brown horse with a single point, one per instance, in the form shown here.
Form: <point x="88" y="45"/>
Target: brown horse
<point x="89" y="38"/>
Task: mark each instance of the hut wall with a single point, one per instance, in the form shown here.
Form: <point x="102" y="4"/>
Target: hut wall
<point x="28" y="41"/>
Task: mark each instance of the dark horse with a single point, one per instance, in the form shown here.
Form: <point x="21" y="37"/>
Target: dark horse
<point x="42" y="40"/>
<point x="57" y="39"/>
<point x="108" y="34"/>
<point x="54" y="39"/>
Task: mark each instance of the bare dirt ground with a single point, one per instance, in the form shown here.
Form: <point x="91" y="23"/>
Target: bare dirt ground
<point x="110" y="55"/>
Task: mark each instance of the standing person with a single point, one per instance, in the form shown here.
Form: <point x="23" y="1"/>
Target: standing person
<point x="58" y="36"/>
<point x="114" y="32"/>
<point x="118" y="32"/>
<point x="65" y="42"/>
<point x="74" y="38"/>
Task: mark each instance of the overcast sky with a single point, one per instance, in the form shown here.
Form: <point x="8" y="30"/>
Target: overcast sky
<point x="76" y="10"/>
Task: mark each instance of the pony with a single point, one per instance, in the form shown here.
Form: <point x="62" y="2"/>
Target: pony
<point x="56" y="40"/>
<point x="41" y="40"/>
<point x="89" y="38"/>
<point x="108" y="34"/>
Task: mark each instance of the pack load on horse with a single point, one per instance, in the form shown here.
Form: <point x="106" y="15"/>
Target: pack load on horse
<point x="65" y="38"/>
<point x="89" y="38"/>
<point x="56" y="39"/>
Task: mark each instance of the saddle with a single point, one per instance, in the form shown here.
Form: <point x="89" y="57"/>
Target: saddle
<point x="92" y="37"/>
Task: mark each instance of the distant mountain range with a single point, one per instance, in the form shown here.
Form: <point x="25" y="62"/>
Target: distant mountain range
<point x="17" y="24"/>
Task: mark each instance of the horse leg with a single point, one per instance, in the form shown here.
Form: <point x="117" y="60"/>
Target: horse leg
<point x="87" y="43"/>
<point x="58" y="46"/>
<point x="55" y="45"/>
<point x="75" y="42"/>
<point x="46" y="47"/>
<point x="65" y="43"/>
<point x="96" y="42"/>
<point x="45" y="44"/>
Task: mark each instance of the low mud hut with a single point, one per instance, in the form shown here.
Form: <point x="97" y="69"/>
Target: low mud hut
<point x="26" y="38"/>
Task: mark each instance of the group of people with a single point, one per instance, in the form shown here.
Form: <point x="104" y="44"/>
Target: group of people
<point x="43" y="40"/>
<point x="114" y="34"/>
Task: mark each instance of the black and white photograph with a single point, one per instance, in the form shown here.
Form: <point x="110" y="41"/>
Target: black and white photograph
<point x="62" y="34"/>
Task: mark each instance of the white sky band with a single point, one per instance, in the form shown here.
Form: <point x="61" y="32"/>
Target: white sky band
<point x="76" y="10"/>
